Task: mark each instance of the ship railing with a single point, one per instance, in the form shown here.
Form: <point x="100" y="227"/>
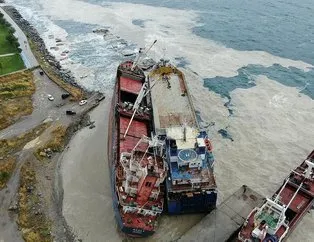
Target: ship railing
<point x="185" y="187"/>
<point x="285" y="233"/>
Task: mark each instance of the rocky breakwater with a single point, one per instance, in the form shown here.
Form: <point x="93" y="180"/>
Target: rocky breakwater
<point x="39" y="48"/>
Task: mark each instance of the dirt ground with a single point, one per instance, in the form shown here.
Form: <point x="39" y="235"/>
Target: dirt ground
<point x="31" y="200"/>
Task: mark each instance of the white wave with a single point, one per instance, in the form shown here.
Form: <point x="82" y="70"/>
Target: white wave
<point x="173" y="30"/>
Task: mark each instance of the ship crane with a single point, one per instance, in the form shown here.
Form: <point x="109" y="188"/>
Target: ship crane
<point x="152" y="142"/>
<point x="143" y="92"/>
<point x="275" y="202"/>
<point x="140" y="55"/>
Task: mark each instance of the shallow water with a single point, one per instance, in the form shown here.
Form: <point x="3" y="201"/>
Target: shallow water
<point x="249" y="67"/>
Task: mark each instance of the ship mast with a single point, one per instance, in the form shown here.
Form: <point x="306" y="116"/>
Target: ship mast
<point x="140" y="55"/>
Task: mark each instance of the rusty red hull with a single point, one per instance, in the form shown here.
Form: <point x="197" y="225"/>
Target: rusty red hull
<point x="128" y="85"/>
<point x="295" y="196"/>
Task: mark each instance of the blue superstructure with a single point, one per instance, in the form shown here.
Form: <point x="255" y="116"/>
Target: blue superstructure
<point x="190" y="185"/>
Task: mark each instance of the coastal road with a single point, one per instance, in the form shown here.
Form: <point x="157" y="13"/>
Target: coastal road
<point x="43" y="108"/>
<point x="26" y="54"/>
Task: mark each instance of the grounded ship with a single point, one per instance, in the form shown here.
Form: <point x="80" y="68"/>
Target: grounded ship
<point x="153" y="137"/>
<point x="277" y="217"/>
<point x="190" y="184"/>
<point x="135" y="155"/>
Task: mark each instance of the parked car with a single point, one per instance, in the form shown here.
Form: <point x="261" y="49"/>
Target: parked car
<point x="70" y="112"/>
<point x="50" y="97"/>
<point x="65" y="95"/>
<point x="82" y="102"/>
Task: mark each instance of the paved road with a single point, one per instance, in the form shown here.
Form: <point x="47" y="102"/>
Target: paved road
<point x="7" y="54"/>
<point x="26" y="54"/>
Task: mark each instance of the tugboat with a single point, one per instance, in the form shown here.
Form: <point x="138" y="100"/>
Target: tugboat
<point x="278" y="216"/>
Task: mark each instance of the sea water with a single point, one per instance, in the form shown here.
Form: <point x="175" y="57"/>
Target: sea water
<point x="249" y="67"/>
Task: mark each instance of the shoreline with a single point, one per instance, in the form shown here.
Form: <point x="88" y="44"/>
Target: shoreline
<point x="49" y="188"/>
<point x="52" y="67"/>
<point x="46" y="187"/>
<point x="218" y="145"/>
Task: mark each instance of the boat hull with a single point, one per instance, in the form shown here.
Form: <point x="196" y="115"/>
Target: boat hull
<point x="291" y="201"/>
<point x="113" y="151"/>
<point x="199" y="203"/>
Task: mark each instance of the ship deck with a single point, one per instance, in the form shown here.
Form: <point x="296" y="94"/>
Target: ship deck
<point x="296" y="195"/>
<point x="137" y="221"/>
<point x="205" y="173"/>
<point x="170" y="107"/>
<point x="137" y="209"/>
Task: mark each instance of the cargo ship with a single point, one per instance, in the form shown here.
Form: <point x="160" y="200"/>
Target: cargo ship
<point x="154" y="136"/>
<point x="190" y="184"/>
<point x="279" y="215"/>
<point x="135" y="155"/>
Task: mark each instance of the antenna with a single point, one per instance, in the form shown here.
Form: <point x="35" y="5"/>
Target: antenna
<point x="140" y="55"/>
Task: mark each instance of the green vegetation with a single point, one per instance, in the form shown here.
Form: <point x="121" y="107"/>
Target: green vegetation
<point x="10" y="146"/>
<point x="5" y="46"/>
<point x="6" y="169"/>
<point x="16" y="92"/>
<point x="9" y="45"/>
<point x="11" y="63"/>
<point x="56" y="142"/>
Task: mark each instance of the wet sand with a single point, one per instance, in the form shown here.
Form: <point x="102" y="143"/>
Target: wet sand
<point x="87" y="205"/>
